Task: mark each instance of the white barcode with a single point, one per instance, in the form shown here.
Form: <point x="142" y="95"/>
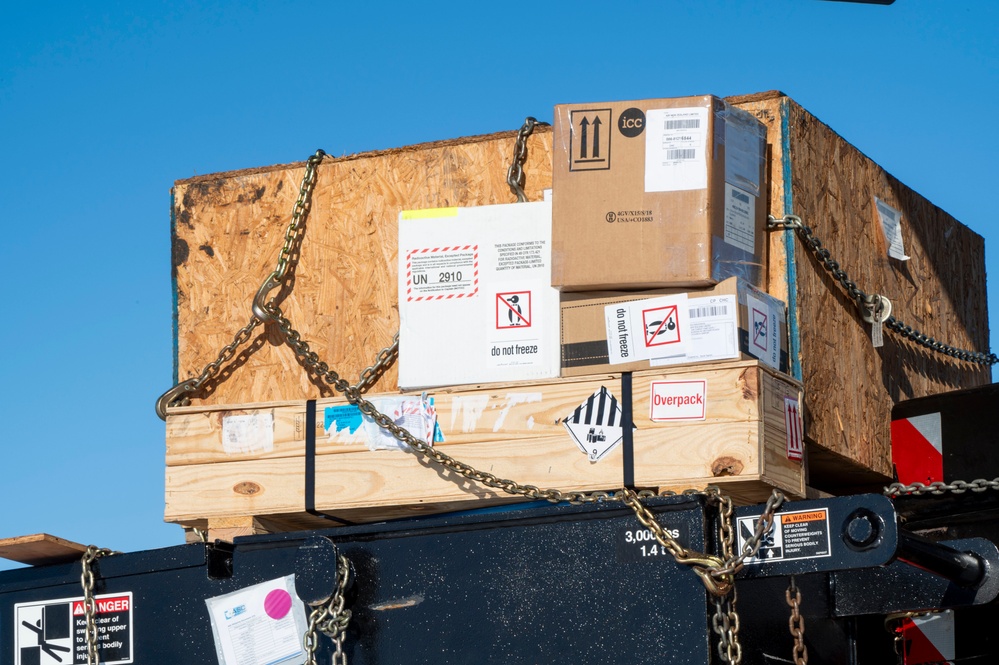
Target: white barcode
<point x="684" y="153"/>
<point x="686" y="123"/>
<point x="712" y="310"/>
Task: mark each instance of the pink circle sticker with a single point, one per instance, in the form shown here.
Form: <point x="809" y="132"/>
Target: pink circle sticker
<point x="277" y="603"/>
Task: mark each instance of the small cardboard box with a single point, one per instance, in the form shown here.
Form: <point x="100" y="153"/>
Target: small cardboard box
<point x="622" y="332"/>
<point x="475" y="298"/>
<point x="657" y="193"/>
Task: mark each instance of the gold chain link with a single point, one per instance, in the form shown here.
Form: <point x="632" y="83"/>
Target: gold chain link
<point x="89" y="605"/>
<point x="937" y="488"/>
<point x="796" y="624"/>
<point x="331" y="618"/>
<point x="515" y="174"/>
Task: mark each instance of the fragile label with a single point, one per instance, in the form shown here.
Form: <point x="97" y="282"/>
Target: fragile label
<point x="675" y="149"/>
<point x="53" y="632"/>
<point x="740" y="219"/>
<point x="442" y="273"/>
<point x="248" y="433"/>
<point x="798" y="535"/>
<point x="678" y="400"/>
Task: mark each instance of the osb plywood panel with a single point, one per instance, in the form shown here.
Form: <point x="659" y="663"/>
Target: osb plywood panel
<point x="850" y="386"/>
<point x="229" y="227"/>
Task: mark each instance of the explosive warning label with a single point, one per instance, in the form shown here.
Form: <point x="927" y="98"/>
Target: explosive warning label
<point x="799" y="535"/>
<point x="53" y="632"/>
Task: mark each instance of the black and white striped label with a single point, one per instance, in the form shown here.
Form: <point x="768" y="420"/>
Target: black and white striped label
<point x="595" y="425"/>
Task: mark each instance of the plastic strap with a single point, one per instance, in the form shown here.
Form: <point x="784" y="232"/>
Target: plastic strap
<point x="628" y="441"/>
<point x="310" y="465"/>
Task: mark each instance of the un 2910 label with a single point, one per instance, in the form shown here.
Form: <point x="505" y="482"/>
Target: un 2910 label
<point x="640" y="544"/>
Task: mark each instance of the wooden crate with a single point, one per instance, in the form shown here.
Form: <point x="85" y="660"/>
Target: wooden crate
<point x="512" y="431"/>
<point x="228" y="227"/>
<point x="850" y="387"/>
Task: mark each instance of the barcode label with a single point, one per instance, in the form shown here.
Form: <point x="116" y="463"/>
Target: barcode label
<point x="712" y="310"/>
<point x="682" y="154"/>
<point x="684" y="123"/>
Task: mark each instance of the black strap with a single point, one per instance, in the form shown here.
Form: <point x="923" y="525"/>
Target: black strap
<point x="310" y="464"/>
<point x="628" y="442"/>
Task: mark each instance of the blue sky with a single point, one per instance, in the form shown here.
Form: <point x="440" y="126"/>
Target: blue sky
<point x="104" y="105"/>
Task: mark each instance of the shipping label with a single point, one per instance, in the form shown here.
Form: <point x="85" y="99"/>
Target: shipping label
<point x="676" y="149"/>
<point x="442" y="273"/>
<point x="714" y="331"/>
<point x="740" y="219"/>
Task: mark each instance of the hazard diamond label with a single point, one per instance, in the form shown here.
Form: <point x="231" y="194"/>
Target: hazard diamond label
<point x="53" y="632"/>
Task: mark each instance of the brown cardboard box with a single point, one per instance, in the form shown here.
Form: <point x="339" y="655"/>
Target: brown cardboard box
<point x="657" y="193"/>
<point x="754" y="330"/>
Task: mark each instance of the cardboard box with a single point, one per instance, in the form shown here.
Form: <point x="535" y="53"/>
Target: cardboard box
<point x="248" y="460"/>
<point x="625" y="332"/>
<point x="475" y="298"/>
<point x="657" y="193"/>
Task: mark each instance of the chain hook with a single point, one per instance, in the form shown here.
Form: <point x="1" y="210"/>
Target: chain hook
<point x="262" y="309"/>
<point x="175" y="394"/>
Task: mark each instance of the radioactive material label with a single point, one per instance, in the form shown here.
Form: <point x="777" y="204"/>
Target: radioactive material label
<point x="799" y="535"/>
<point x="54" y="632"/>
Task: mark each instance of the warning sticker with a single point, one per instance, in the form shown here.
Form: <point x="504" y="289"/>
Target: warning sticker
<point x="764" y="333"/>
<point x="798" y="535"/>
<point x="53" y="632"/>
<point x="662" y="326"/>
<point x="442" y="273"/>
<point x="513" y="310"/>
<point x="595" y="425"/>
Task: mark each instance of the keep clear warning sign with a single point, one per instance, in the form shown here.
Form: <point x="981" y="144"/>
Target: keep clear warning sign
<point x="799" y="535"/>
<point x="54" y="632"/>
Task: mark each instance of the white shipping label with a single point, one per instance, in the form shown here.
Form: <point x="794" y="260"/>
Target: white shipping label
<point x="442" y="273"/>
<point x="259" y="624"/>
<point x="714" y="331"/>
<point x="676" y="149"/>
<point x="248" y="433"/>
<point x="764" y="331"/>
<point x="647" y="329"/>
<point x="740" y="219"/>
<point x="891" y="224"/>
<point x="743" y="154"/>
<point x="678" y="400"/>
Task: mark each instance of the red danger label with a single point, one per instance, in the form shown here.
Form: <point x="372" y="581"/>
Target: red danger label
<point x="105" y="605"/>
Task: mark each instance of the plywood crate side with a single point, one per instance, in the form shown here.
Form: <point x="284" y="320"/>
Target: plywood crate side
<point x="228" y="229"/>
<point x="732" y="447"/>
<point x="850" y="386"/>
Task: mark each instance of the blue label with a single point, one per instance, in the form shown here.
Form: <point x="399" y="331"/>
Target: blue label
<point x="347" y="417"/>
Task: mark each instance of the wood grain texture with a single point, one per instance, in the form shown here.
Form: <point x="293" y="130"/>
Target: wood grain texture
<point x="229" y="227"/>
<point x="740" y="445"/>
<point x="850" y="387"/>
<point x="40" y="549"/>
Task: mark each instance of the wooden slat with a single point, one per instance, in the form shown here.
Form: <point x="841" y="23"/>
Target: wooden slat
<point x="40" y="549"/>
<point x="741" y="446"/>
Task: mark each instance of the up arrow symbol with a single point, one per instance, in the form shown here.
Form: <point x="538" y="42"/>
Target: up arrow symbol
<point x="596" y="137"/>
<point x="584" y="126"/>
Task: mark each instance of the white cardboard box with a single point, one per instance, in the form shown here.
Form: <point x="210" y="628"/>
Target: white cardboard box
<point x="476" y="303"/>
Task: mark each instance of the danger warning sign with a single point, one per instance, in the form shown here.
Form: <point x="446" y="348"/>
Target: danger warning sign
<point x="54" y="632"/>
<point x="513" y="310"/>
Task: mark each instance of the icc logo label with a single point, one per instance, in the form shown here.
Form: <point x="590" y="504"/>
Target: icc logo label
<point x="632" y="122"/>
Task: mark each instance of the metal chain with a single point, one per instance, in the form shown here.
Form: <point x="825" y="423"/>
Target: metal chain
<point x="89" y="605"/>
<point x="796" y="624"/>
<point x="956" y="487"/>
<point x="871" y="305"/>
<point x="331" y="618"/>
<point x="515" y="174"/>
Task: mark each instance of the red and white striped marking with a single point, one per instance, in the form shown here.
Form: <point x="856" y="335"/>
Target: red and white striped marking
<point x="460" y="291"/>
<point x="794" y="427"/>
<point x="917" y="449"/>
<point x="929" y="639"/>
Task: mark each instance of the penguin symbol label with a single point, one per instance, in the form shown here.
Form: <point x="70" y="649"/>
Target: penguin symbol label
<point x="513" y="310"/>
